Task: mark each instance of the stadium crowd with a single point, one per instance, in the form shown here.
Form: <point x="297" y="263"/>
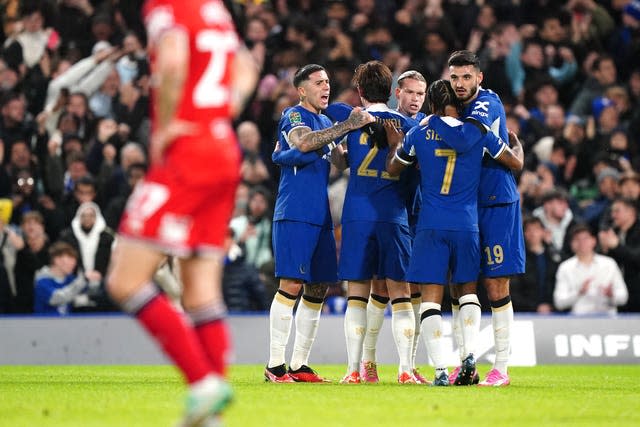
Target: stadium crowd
<point x="74" y="86"/>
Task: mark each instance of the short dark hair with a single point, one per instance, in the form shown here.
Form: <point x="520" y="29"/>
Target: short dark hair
<point x="303" y="73"/>
<point x="440" y="94"/>
<point x="580" y="228"/>
<point x="628" y="202"/>
<point x="555" y="193"/>
<point x="463" y="57"/>
<point x="374" y="81"/>
<point x="595" y="66"/>
<point x="62" y="248"/>
<point x="85" y="180"/>
<point x="529" y="220"/>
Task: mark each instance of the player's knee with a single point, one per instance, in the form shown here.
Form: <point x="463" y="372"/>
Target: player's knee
<point x="290" y="286"/>
<point x="316" y="290"/>
<point x="497" y="288"/>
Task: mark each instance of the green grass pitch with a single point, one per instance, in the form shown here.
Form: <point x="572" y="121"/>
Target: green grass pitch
<point x="92" y="396"/>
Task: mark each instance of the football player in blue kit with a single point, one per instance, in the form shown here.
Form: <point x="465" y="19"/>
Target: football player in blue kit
<point x="447" y="238"/>
<point x="410" y="92"/>
<point x="500" y="221"/>
<point x="304" y="245"/>
<point x="376" y="241"/>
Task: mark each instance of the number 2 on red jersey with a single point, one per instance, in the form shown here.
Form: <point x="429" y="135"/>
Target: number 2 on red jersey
<point x="209" y="92"/>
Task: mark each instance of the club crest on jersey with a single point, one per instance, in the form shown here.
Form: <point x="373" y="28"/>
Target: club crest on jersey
<point x="295" y="118"/>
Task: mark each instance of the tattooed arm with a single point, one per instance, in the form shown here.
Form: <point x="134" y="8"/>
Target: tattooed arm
<point x="306" y="140"/>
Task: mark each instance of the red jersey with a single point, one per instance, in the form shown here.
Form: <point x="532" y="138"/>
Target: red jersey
<point x="185" y="202"/>
<point x="212" y="46"/>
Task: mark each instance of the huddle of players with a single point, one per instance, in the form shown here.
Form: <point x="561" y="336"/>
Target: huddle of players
<point x="380" y="251"/>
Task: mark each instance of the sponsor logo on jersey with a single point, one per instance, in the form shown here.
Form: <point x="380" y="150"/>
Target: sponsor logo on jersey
<point x="479" y="113"/>
<point x="481" y="105"/>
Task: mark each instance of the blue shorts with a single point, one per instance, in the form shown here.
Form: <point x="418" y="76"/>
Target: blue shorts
<point x="304" y="251"/>
<point x="501" y="240"/>
<point x="438" y="252"/>
<point x="371" y="249"/>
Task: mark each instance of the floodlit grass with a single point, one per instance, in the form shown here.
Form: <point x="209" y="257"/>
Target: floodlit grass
<point x="152" y="396"/>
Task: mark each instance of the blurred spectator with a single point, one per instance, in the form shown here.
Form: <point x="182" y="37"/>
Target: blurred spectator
<point x="32" y="257"/>
<point x="57" y="287"/>
<point x="101" y="101"/>
<point x="93" y="240"/>
<point x="74" y="24"/>
<point x="113" y="212"/>
<point x="526" y="62"/>
<point x="253" y="169"/>
<point x="622" y="243"/>
<point x="84" y="190"/>
<point x="494" y="55"/>
<point x="103" y="150"/>
<point x="71" y="82"/>
<point x="14" y="123"/>
<point x="112" y="179"/>
<point x="625" y="41"/>
<point x="34" y="37"/>
<point x="133" y="63"/>
<point x="591" y="24"/>
<point x="556" y="217"/>
<point x="252" y="230"/>
<point x="533" y="290"/>
<point x="10" y="242"/>
<point x="629" y="186"/>
<point x="607" y="191"/>
<point x="242" y="200"/>
<point x="589" y="283"/>
<point x="241" y="285"/>
<point x="432" y="61"/>
<point x="27" y="198"/>
<point x="603" y="75"/>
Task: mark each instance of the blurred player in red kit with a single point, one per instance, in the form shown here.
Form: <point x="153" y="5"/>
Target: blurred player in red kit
<point x="201" y="78"/>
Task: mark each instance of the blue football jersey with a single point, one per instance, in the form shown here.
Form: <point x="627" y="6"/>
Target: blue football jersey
<point x="411" y="178"/>
<point x="450" y="171"/>
<point x="372" y="194"/>
<point x="302" y="192"/>
<point x="497" y="183"/>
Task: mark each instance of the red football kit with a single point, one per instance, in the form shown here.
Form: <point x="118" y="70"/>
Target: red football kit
<point x="185" y="202"/>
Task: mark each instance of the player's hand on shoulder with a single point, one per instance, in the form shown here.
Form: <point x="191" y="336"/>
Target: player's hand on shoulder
<point x="425" y="121"/>
<point x="394" y="135"/>
<point x="359" y="117"/>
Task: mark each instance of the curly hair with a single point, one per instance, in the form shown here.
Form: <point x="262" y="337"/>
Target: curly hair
<point x="441" y="94"/>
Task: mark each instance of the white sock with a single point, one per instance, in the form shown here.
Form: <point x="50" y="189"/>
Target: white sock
<point x="280" y="316"/>
<point x="431" y="329"/>
<point x="375" y="318"/>
<point x="502" y="321"/>
<point x="415" y="303"/>
<point x="403" y="325"/>
<point x="307" y="319"/>
<point x="355" y="325"/>
<point x="457" y="329"/>
<point x="206" y="385"/>
<point x="470" y="322"/>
